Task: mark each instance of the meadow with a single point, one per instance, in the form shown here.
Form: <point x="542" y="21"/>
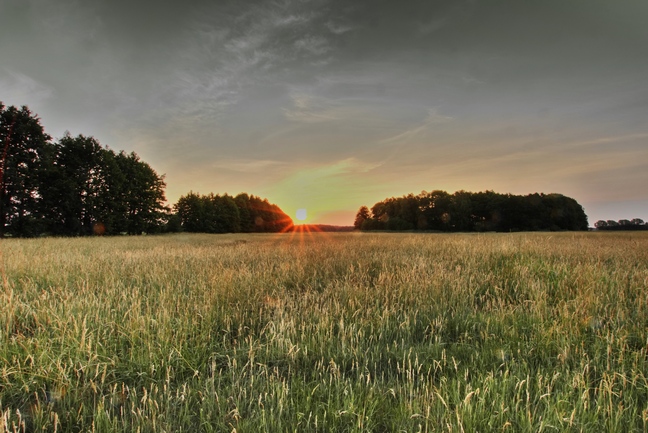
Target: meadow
<point x="347" y="332"/>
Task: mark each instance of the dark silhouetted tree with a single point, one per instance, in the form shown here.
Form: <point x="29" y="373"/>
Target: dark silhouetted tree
<point x="74" y="186"/>
<point x="600" y="224"/>
<point x="75" y="194"/>
<point x="141" y="196"/>
<point x="245" y="216"/>
<point x="361" y="217"/>
<point x="24" y="144"/>
<point x="222" y="214"/>
<point x="623" y="224"/>
<point x="483" y="211"/>
<point x="191" y="210"/>
<point x="93" y="190"/>
<point x="434" y="207"/>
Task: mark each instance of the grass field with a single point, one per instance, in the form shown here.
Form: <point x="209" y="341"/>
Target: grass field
<point x="328" y="332"/>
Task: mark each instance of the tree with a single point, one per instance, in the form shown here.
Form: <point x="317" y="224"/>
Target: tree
<point x="143" y="193"/>
<point x="76" y="185"/>
<point x="407" y="209"/>
<point x="268" y="217"/>
<point x="226" y="217"/>
<point x="461" y="211"/>
<point x="173" y="223"/>
<point x="90" y="189"/>
<point x="245" y="217"/>
<point x="600" y="224"/>
<point x="24" y="142"/>
<point x="190" y="209"/>
<point x="222" y="214"/>
<point x="637" y="221"/>
<point x="435" y="207"/>
<point x="361" y="217"/>
<point x="566" y="213"/>
<point x="373" y="224"/>
<point x="484" y="211"/>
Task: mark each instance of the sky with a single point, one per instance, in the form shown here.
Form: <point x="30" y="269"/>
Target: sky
<point x="328" y="105"/>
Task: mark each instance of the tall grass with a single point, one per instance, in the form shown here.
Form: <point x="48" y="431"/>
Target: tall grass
<point x="344" y="332"/>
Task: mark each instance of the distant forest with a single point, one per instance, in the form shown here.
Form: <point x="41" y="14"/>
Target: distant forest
<point x="611" y="225"/>
<point x="473" y="212"/>
<point x="226" y="214"/>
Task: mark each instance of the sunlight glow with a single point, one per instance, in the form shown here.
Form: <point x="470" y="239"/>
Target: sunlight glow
<point x="329" y="192"/>
<point x="301" y="214"/>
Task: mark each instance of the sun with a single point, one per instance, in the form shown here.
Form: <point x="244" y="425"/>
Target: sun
<point x="301" y="214"/>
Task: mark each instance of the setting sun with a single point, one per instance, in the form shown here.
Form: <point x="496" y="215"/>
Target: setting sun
<point x="301" y="214"/>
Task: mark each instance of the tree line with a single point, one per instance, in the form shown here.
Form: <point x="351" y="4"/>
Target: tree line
<point x="623" y="224"/>
<point x="226" y="214"/>
<point x="473" y="211"/>
<point x="74" y="186"/>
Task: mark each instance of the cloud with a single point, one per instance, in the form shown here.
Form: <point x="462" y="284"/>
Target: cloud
<point x="235" y="49"/>
<point x="316" y="45"/>
<point x="431" y="26"/>
<point x="308" y="108"/>
<point x="353" y="165"/>
<point x="290" y="20"/>
<point x="433" y="118"/>
<point x="20" y="89"/>
<point x="355" y="99"/>
<point x="73" y="19"/>
<point x="248" y="165"/>
<point x="338" y="28"/>
<point x="609" y="140"/>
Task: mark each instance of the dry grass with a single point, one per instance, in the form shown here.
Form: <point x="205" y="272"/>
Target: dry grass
<point x="326" y="332"/>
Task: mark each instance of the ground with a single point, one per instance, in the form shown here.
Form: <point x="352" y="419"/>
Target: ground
<point x="325" y="332"/>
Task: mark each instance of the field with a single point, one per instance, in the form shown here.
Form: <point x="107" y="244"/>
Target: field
<point x="327" y="332"/>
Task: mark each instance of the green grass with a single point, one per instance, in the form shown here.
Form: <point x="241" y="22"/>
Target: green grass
<point x="326" y="332"/>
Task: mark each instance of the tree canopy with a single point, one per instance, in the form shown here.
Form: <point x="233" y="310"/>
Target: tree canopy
<point x="92" y="189"/>
<point x="624" y="224"/>
<point x="226" y="214"/>
<point x="73" y="186"/>
<point x="24" y="146"/>
<point x="468" y="211"/>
